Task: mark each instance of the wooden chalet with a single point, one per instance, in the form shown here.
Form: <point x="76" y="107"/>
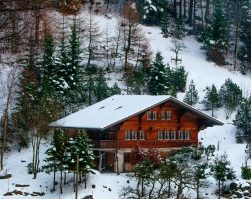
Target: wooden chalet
<point x="120" y="123"/>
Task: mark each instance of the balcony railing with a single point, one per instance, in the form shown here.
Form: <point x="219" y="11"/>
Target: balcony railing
<point x="114" y="144"/>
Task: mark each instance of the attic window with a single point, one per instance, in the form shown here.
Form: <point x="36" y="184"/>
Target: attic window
<point x="101" y="107"/>
<point x="118" y="108"/>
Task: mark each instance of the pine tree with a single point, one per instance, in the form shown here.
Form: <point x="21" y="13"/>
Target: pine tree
<point x="200" y="175"/>
<point x="158" y="83"/>
<point x="135" y="81"/>
<point x="101" y="87"/>
<point x="191" y="96"/>
<point x="179" y="78"/>
<point x="79" y="146"/>
<point x="76" y="78"/>
<point x="215" y="35"/>
<point x="48" y="66"/>
<point x="230" y="96"/>
<point x="61" y="71"/>
<point x="243" y="118"/>
<point x="115" y="90"/>
<point x="29" y="87"/>
<point x="164" y="23"/>
<point x="222" y="171"/>
<point x="56" y="155"/>
<point x="212" y="99"/>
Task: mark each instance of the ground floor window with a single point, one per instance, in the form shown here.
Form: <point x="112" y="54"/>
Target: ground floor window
<point x="142" y="135"/>
<point x="173" y="135"/>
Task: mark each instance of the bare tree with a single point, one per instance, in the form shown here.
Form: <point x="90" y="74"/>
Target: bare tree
<point x="130" y="25"/>
<point x="8" y="92"/>
<point x="177" y="47"/>
<point x="93" y="33"/>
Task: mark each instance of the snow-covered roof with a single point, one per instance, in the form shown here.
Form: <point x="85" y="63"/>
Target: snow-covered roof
<point x="117" y="108"/>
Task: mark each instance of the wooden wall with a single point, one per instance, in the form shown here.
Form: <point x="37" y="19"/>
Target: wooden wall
<point x="180" y="120"/>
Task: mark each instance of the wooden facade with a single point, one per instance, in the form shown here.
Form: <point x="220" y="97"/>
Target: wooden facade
<point x="165" y="127"/>
<point x="163" y="124"/>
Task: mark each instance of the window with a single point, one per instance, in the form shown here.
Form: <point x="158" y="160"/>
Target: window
<point x="131" y="135"/>
<point x="142" y="135"/>
<point x="173" y="135"/>
<point x="167" y="135"/>
<point x="134" y="135"/>
<point x="127" y="135"/>
<point x="181" y="135"/>
<point x="187" y="135"/>
<point x="160" y="135"/>
<point x="149" y="115"/>
<point x="152" y="115"/>
<point x="166" y="115"/>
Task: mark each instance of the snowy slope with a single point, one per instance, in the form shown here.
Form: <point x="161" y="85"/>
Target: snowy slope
<point x="202" y="72"/>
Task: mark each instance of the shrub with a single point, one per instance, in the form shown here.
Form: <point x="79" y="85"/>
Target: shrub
<point x="246" y="172"/>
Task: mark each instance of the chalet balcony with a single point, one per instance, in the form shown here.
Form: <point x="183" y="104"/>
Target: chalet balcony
<point x="115" y="144"/>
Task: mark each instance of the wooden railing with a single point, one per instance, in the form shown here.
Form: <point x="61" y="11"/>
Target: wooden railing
<point x="113" y="144"/>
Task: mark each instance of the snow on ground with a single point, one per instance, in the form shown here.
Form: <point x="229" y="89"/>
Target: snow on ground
<point x="107" y="185"/>
<point x="203" y="73"/>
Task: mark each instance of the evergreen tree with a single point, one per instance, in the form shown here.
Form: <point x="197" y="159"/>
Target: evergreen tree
<point x="61" y="71"/>
<point x="200" y="174"/>
<point x="135" y="81"/>
<point x="164" y="23"/>
<point x="216" y="34"/>
<point x="102" y="90"/>
<point x="191" y="96"/>
<point x="68" y="77"/>
<point x="158" y="83"/>
<point x="56" y="156"/>
<point x="90" y="87"/>
<point x="243" y="118"/>
<point x="34" y="111"/>
<point x="48" y="66"/>
<point x="222" y="171"/>
<point x="79" y="146"/>
<point x="230" y="96"/>
<point x="212" y="99"/>
<point x="179" y="78"/>
<point x="115" y="90"/>
<point x="29" y="87"/>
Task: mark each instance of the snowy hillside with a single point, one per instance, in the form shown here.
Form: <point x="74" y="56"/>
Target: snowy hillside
<point x="108" y="186"/>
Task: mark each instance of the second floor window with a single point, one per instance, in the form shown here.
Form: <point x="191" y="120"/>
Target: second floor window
<point x="127" y="135"/>
<point x="152" y="115"/>
<point x="166" y="115"/>
<point x="134" y="135"/>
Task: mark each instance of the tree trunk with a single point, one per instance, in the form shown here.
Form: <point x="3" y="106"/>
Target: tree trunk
<point x="202" y="14"/>
<point x="219" y="189"/>
<point x="237" y="31"/>
<point x="185" y="9"/>
<point x="198" y="189"/>
<point x="207" y="12"/>
<point x="54" y="176"/>
<point x="194" y="13"/>
<point x="169" y="189"/>
<point x="180" y="10"/>
<point x="175" y="9"/>
<point x="61" y="181"/>
<point x="64" y="178"/>
<point x="190" y="13"/>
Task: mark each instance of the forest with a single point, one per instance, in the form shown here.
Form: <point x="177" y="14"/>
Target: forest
<point x="56" y="58"/>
